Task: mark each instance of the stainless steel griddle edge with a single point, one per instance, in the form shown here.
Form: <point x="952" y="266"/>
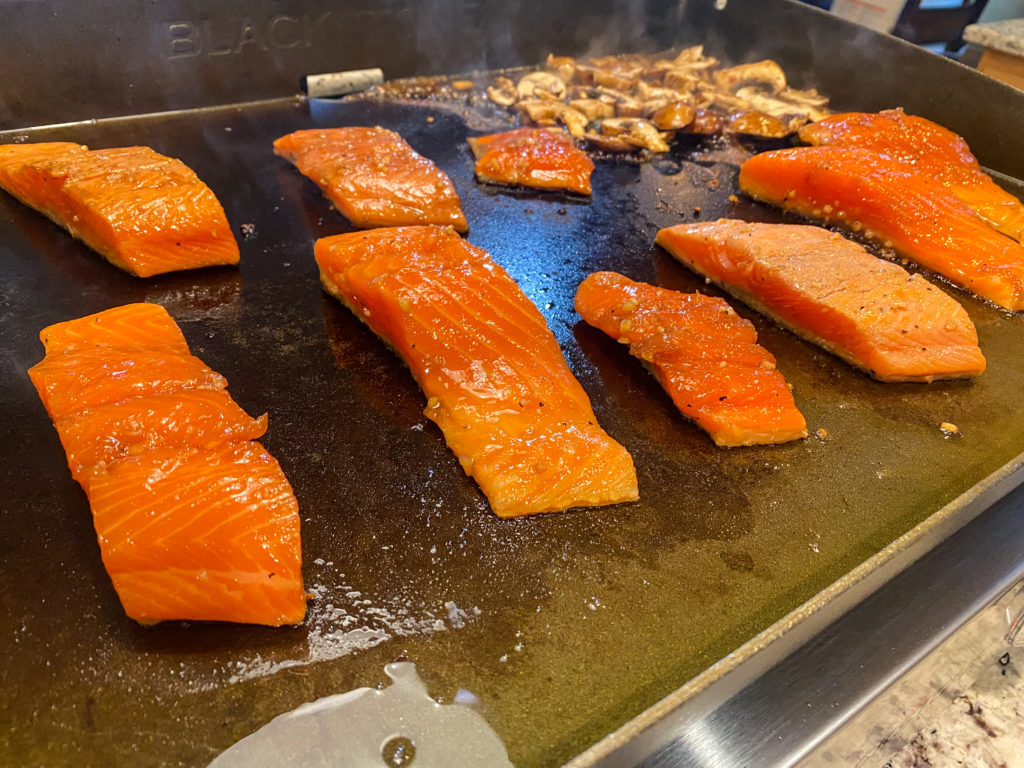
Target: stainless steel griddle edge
<point x="788" y="689"/>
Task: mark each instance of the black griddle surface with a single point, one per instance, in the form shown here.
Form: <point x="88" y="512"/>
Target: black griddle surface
<point x="565" y="625"/>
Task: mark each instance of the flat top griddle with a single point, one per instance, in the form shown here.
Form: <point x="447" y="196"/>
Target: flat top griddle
<point x="564" y="626"/>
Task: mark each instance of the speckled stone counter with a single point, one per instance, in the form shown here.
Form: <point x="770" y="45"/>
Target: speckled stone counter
<point x="1003" y="44"/>
<point x="962" y="706"/>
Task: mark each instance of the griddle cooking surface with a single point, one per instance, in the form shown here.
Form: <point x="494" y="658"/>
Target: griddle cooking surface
<point x="565" y="625"/>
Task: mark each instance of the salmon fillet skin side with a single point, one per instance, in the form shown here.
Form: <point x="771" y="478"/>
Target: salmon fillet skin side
<point x="374" y="177"/>
<point x="893" y="204"/>
<point x="145" y="213"/>
<point x="495" y="379"/>
<point x="195" y="520"/>
<point x="830" y="291"/>
<point x="704" y="355"/>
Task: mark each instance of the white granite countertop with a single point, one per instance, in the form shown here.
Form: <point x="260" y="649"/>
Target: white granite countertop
<point x="1006" y="36"/>
<point x="962" y="706"/>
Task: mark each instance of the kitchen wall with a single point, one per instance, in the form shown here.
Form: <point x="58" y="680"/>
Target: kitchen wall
<point x="997" y="10"/>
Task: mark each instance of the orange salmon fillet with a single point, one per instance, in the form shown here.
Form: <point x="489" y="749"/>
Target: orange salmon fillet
<point x="145" y="213"/>
<point x="495" y="379"/>
<point x="373" y="177"/>
<point x="933" y="150"/>
<point x="188" y="418"/>
<point x="532" y="157"/>
<point x="141" y="325"/>
<point x="194" y="519"/>
<point x="203" y="535"/>
<point x="705" y="356"/>
<point x="830" y="291"/>
<point x="890" y="202"/>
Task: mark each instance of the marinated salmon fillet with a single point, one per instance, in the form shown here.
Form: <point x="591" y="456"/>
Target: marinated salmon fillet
<point x="194" y="519"/>
<point x="933" y="150"/>
<point x="203" y="535"/>
<point x="892" y="203"/>
<point x="373" y="177"/>
<point x="705" y="356"/>
<point x="532" y="157"/>
<point x="830" y="291"/>
<point x="74" y="380"/>
<point x="495" y="379"/>
<point x="132" y="325"/>
<point x="145" y="213"/>
<point x="189" y="418"/>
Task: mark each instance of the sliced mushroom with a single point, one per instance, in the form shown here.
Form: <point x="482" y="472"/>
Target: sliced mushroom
<point x="759" y="124"/>
<point x="563" y="66"/>
<point x="636" y="131"/>
<point x="765" y="74"/>
<point x="810" y="97"/>
<point x="674" y="117"/>
<point x="594" y="109"/>
<point x="540" y="111"/>
<point x="727" y="101"/>
<point x="608" y="143"/>
<point x="503" y="92"/>
<point x="706" y="123"/>
<point x="690" y="60"/>
<point x="790" y="113"/>
<point x="540" y="84"/>
<point x="575" y="121"/>
<point x="645" y="92"/>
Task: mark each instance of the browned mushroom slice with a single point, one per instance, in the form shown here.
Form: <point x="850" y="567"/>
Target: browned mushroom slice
<point x="594" y="109"/>
<point x="793" y="115"/>
<point x="502" y="92"/>
<point x="758" y="124"/>
<point x="706" y="123"/>
<point x="674" y="117"/>
<point x="608" y="143"/>
<point x="692" y="59"/>
<point x="563" y="66"/>
<point x="727" y="101"/>
<point x="648" y="93"/>
<point x="636" y="131"/>
<point x="575" y="121"/>
<point x="540" y="111"/>
<point x="766" y="74"/>
<point x="538" y="85"/>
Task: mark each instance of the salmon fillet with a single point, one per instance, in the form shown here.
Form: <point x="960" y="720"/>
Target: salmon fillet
<point x="933" y="150"/>
<point x="705" y="356"/>
<point x="892" y="203"/>
<point x="145" y="213"/>
<point x="495" y="379"/>
<point x="201" y="535"/>
<point x="194" y="519"/>
<point x="132" y="325"/>
<point x="373" y="177"/>
<point x="189" y="418"/>
<point x="532" y="157"/>
<point x="830" y="291"/>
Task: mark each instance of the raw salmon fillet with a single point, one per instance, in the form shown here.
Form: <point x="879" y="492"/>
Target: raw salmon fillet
<point x="495" y="379"/>
<point x="830" y="291"/>
<point x="203" y="535"/>
<point x="933" y="150"/>
<point x="892" y="203"/>
<point x="194" y="519"/>
<point x="705" y="356"/>
<point x="189" y="418"/>
<point x="373" y="177"/>
<point x="532" y="157"/>
<point x="145" y="213"/>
